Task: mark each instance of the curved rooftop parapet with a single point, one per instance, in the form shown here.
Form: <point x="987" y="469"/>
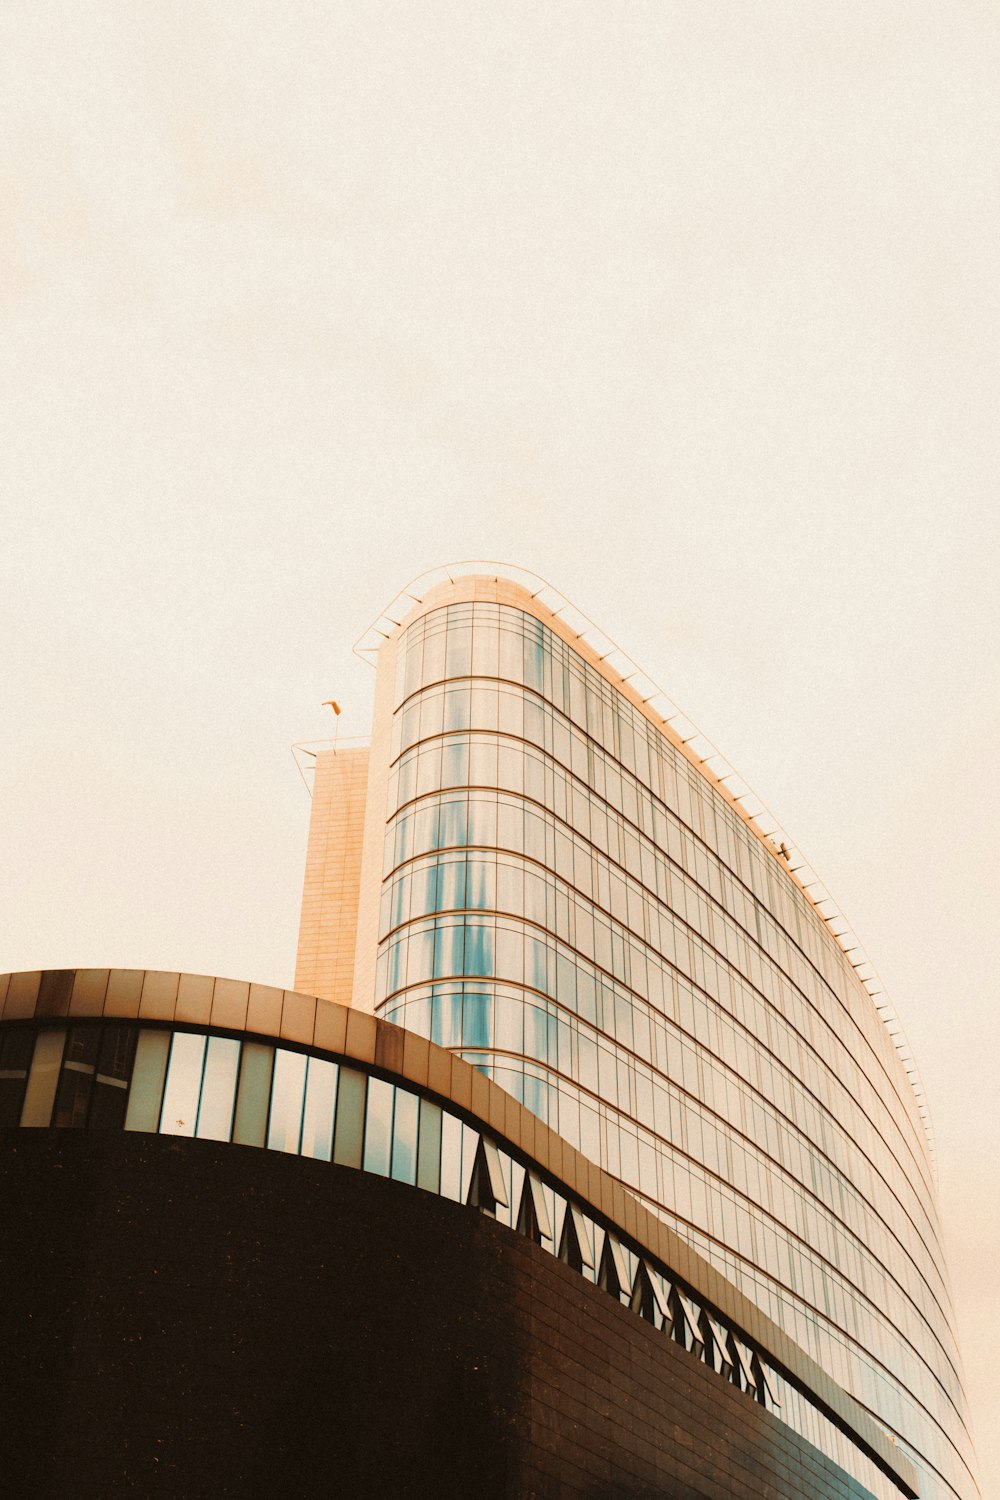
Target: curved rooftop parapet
<point x="702" y="753"/>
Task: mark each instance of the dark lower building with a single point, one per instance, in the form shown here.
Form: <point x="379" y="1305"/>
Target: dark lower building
<point x="255" y="1243"/>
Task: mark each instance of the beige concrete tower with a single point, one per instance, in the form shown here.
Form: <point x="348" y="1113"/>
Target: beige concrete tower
<point x="324" y="964"/>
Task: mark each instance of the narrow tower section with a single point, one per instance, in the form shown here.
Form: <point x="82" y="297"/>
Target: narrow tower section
<point x="328" y="927"/>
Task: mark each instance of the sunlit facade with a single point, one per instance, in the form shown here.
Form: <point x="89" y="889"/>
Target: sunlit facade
<point x="571" y="903"/>
<point x="579" y="1161"/>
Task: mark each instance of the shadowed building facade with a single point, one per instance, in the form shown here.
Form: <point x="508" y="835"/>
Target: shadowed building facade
<point x="608" y="1180"/>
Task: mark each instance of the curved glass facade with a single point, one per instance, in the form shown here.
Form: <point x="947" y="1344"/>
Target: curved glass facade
<point x="582" y="913"/>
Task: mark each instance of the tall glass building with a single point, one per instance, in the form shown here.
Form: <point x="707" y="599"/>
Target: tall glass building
<point x="554" y="887"/>
<point x="580" y="1161"/>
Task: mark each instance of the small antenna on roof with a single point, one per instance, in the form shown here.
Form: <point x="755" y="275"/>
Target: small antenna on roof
<point x="331" y="703"/>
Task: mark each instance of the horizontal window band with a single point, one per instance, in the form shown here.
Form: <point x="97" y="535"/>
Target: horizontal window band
<point x="394" y="996"/>
<point x="693" y="933"/>
<point x="624" y="934"/>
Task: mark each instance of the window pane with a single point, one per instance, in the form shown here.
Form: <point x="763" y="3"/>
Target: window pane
<point x="425" y="891"/>
<point x="180" y="1097"/>
<point x="459" y="659"/>
<point x="15" y="1059"/>
<point x="349" y="1133"/>
<point x="536" y="1033"/>
<point x="43" y="1078"/>
<point x="449" y="946"/>
<point x="453" y="895"/>
<point x="510" y="887"/>
<point x="77" y="1077"/>
<point x="451" y="1158"/>
<point x="455" y="763"/>
<point x="404" y="1137"/>
<point x="590" y="1133"/>
<point x="72" y="1099"/>
<point x="250" y="1125"/>
<point x="215" y="1113"/>
<point x="478" y="1017"/>
<point x="378" y="1128"/>
<point x="433" y="664"/>
<point x="148" y="1074"/>
<point x="81" y="1046"/>
<point x="454" y="824"/>
<point x="317" y="1122"/>
<point x="114" y="1070"/>
<point x="470" y="1146"/>
<point x="509" y="1023"/>
<point x="429" y="1150"/>
<point x="478" y="949"/>
<point x="457" y="702"/>
<point x="446" y="1019"/>
<point x="284" y="1129"/>
<point x="420" y="964"/>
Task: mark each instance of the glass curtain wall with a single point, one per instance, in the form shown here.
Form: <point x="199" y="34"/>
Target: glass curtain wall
<point x="573" y="907"/>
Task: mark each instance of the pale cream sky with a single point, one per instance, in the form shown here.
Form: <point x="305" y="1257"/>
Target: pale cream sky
<point x="690" y="307"/>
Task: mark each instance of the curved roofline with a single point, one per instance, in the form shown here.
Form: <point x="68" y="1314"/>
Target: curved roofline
<point x="702" y="752"/>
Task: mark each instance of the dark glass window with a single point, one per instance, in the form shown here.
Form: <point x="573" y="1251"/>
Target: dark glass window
<point x="111" y="1081"/>
<point x="612" y="1273"/>
<point x="487" y="1189"/>
<point x="76" y="1079"/>
<point x="642" y="1300"/>
<point x="532" y="1213"/>
<point x="15" y="1059"/>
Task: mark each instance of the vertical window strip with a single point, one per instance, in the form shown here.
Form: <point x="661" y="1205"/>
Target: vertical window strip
<point x="43" y="1077"/>
<point x="218" y="1090"/>
<point x="349" y="1131"/>
<point x="112" y="1081"/>
<point x="16" y="1048"/>
<point x="284" y="1128"/>
<point x="378" y="1127"/>
<point x="253" y="1095"/>
<point x="182" y="1094"/>
<point x="76" y="1077"/>
<point x="148" y="1076"/>
<point x="429" y="1147"/>
<point x="320" y="1108"/>
<point x="406" y="1117"/>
